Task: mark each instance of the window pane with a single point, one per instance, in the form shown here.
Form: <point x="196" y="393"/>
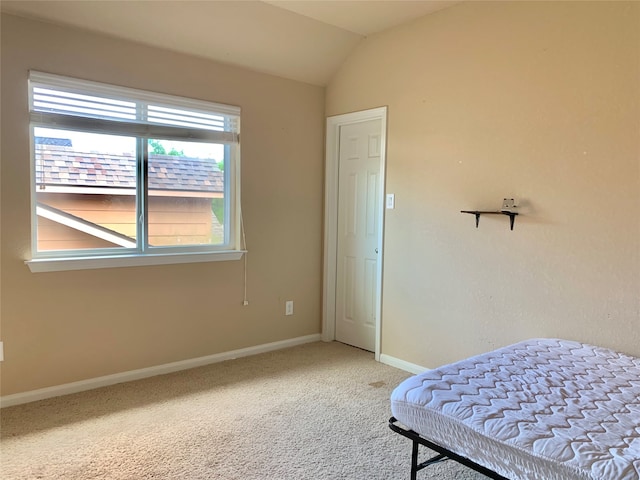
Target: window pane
<point x="85" y="190"/>
<point x="186" y="201"/>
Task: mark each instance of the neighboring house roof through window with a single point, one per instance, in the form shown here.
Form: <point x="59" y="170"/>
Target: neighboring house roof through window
<point x="64" y="166"/>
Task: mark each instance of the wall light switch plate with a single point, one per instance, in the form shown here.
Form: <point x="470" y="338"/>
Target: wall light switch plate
<point x="391" y="201"/>
<point x="288" y="307"/>
<point x="1" y="351"/>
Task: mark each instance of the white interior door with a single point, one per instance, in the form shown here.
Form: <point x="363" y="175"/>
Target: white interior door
<point x="358" y="233"/>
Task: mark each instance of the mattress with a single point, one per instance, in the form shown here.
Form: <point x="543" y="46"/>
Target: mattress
<point x="539" y="409"/>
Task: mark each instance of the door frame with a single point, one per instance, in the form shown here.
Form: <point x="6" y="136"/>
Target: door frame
<point x="332" y="164"/>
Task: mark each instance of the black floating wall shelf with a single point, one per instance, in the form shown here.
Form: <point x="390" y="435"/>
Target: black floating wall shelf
<point x="477" y="213"/>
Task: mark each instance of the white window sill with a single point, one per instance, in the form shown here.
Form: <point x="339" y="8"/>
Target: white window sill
<point x="115" y="261"/>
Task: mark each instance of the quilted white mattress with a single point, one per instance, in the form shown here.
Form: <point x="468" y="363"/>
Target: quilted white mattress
<point x="539" y="409"/>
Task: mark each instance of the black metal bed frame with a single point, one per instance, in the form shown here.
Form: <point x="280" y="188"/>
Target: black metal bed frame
<point x="443" y="453"/>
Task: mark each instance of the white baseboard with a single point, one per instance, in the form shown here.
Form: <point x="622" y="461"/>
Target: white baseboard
<point x="402" y="364"/>
<point x="90" y="384"/>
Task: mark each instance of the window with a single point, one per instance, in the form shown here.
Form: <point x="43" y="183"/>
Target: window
<point x="128" y="177"/>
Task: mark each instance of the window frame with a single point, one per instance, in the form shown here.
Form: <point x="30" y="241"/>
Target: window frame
<point x="142" y="129"/>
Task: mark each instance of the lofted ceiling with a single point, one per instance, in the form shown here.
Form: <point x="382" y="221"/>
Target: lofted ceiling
<point x="304" y="40"/>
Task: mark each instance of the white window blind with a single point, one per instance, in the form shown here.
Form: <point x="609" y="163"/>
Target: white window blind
<point x="67" y="103"/>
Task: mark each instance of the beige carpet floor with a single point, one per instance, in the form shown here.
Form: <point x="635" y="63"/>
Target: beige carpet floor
<point x="317" y="411"/>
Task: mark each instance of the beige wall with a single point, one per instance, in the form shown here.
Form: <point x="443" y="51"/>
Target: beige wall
<point x="540" y="100"/>
<point x="69" y="326"/>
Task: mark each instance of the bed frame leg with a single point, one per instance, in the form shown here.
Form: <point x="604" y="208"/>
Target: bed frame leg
<point x="442" y="453"/>
<point x="414" y="461"/>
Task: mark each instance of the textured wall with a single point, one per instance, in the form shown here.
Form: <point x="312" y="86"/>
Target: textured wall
<point x="537" y="100"/>
<point x="69" y="326"/>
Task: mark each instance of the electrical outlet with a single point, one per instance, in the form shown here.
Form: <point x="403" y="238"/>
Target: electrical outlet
<point x="288" y="307"/>
<point x="1" y="351"/>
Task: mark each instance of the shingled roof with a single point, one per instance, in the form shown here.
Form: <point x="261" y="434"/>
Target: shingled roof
<point x="65" y="166"/>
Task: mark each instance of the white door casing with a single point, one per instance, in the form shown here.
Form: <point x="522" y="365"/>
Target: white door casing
<point x="354" y="221"/>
